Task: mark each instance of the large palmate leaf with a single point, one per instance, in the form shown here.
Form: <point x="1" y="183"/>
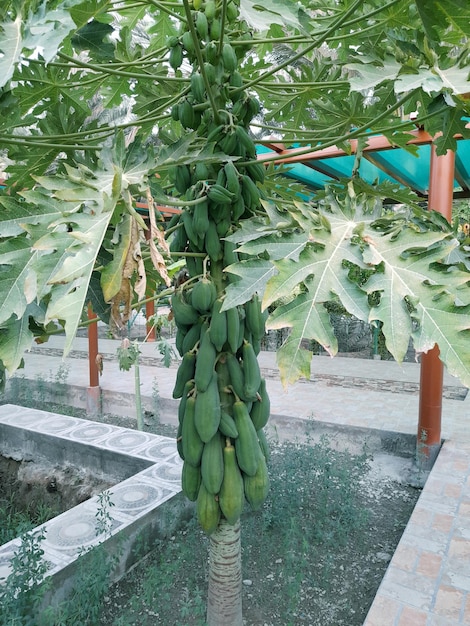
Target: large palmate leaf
<point x="16" y="337"/>
<point x="53" y="260"/>
<point x="10" y="48"/>
<point x="41" y="28"/>
<point x="402" y="257"/>
<point x="445" y="20"/>
<point x="322" y="262"/>
<point x="63" y="224"/>
<point x="307" y="320"/>
<point x="261" y="16"/>
<point x="441" y="322"/>
<point x="253" y="276"/>
<point x="320" y="275"/>
<point x="416" y="288"/>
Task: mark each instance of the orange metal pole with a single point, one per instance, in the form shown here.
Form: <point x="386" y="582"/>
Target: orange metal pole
<point x="441" y="187"/>
<point x="150" y="312"/>
<point x="93" y="349"/>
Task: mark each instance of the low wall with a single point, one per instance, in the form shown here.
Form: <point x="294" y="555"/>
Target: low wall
<point x="144" y="503"/>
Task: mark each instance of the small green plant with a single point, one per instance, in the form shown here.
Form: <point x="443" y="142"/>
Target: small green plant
<point x="62" y="374"/>
<point x="128" y="355"/>
<point x="24" y="589"/>
<point x="41" y="389"/>
<point x="167" y="351"/>
<point x="103" y="518"/>
<point x="85" y="605"/>
<point x="155" y="416"/>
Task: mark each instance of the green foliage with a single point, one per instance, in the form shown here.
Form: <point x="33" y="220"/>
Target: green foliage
<point x="16" y="522"/>
<point x="22" y="592"/>
<point x="395" y="267"/>
<point x="128" y="355"/>
<point x="323" y="76"/>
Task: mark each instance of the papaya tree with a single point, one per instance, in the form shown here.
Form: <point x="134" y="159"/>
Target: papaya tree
<point x="107" y="104"/>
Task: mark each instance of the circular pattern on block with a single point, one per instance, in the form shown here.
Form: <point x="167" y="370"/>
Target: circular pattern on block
<point x="72" y="533"/>
<point x="22" y="417"/>
<point x="127" y="440"/>
<point x="54" y="424"/>
<point x="134" y="496"/>
<point x="161" y="449"/>
<point x="89" y="433"/>
<point x="170" y="472"/>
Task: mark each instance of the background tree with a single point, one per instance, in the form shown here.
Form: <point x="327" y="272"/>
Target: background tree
<point x="195" y="80"/>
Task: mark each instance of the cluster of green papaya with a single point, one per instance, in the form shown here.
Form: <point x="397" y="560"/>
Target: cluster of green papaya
<point x="224" y="405"/>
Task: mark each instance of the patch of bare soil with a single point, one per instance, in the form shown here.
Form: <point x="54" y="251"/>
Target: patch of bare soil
<point x="32" y="493"/>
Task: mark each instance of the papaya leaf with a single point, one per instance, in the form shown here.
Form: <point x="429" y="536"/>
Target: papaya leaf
<point x="441" y="322"/>
<point x="16" y="338"/>
<point x="262" y="15"/>
<point x="307" y="320"/>
<point x="11" y="45"/>
<point x="445" y="20"/>
<point x="254" y="274"/>
<point x="41" y="29"/>
<point x="277" y="246"/>
<point x="418" y="294"/>
<point x="324" y="264"/>
<point x="24" y="272"/>
<point x="111" y="276"/>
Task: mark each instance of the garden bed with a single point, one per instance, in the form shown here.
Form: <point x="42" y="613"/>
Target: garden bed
<point x="314" y="555"/>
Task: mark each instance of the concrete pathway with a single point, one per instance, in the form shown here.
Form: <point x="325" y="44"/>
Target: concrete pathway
<point x="428" y="580"/>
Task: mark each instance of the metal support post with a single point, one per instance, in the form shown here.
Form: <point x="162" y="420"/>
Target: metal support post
<point x="441" y="187"/>
<point x="93" y="391"/>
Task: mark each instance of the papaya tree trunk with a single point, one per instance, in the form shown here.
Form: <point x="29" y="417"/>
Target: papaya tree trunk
<point x="224" y="601"/>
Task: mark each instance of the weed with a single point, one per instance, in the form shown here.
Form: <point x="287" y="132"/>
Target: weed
<point x="95" y="568"/>
<point x="62" y="374"/>
<point x="40" y="389"/>
<point x="22" y="592"/>
<point x="167" y="351"/>
<point x="17" y="520"/>
<point x="103" y="518"/>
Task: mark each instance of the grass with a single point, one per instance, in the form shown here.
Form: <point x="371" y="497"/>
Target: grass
<point x="18" y="520"/>
<point x="309" y="557"/>
<point x="313" y="555"/>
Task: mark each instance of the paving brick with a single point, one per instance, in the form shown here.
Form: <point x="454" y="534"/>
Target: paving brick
<point x="461" y="465"/>
<point x="458" y="578"/>
<point x="453" y="490"/>
<point x="429" y="564"/>
<point x="443" y="522"/>
<point x="422" y="516"/>
<point x="441" y="504"/>
<point x="384" y="612"/>
<point x="466" y="613"/>
<point x="404" y="593"/>
<point x="412" y="617"/>
<point x="464" y="508"/>
<point x="437" y="620"/>
<point x="449" y="602"/>
<point x="406" y="557"/>
<point x="459" y="548"/>
<point x="435" y="485"/>
<point x="420" y="584"/>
